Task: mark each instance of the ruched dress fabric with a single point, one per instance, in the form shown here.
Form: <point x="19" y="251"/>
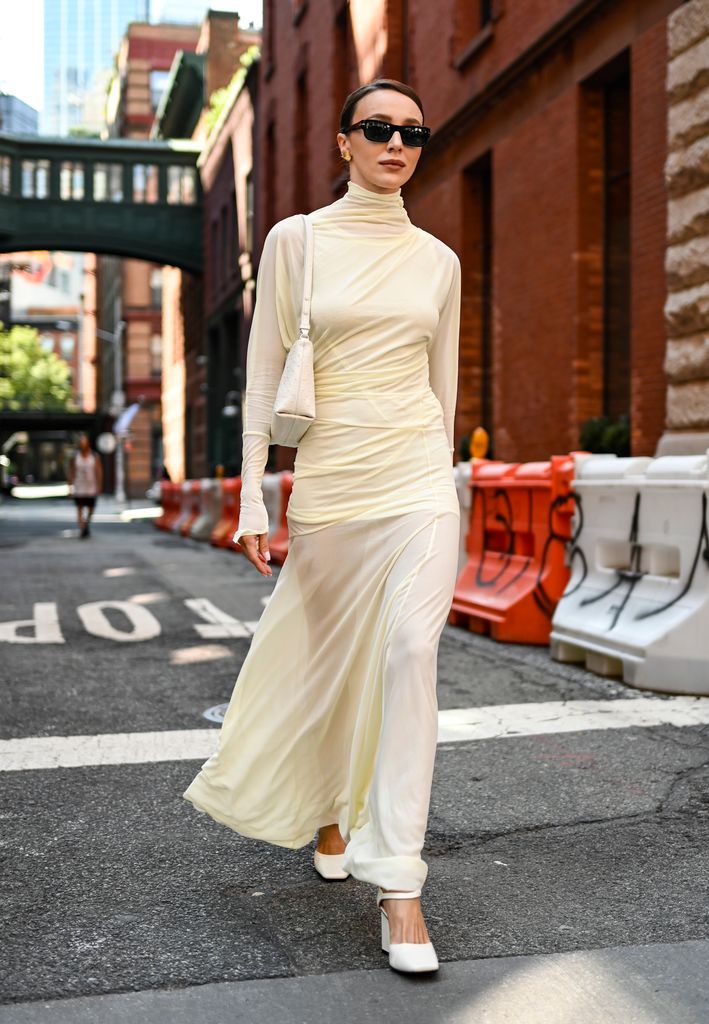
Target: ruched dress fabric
<point x="334" y="714"/>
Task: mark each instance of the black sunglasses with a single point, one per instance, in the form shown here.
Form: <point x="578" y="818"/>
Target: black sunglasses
<point x="381" y="131"/>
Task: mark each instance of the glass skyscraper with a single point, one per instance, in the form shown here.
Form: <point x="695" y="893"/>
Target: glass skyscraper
<point x="17" y="116"/>
<point x="81" y="38"/>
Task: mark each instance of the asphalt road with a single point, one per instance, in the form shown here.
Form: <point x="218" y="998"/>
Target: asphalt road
<point x="568" y="871"/>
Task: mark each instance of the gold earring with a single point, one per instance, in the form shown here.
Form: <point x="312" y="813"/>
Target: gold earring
<point x="346" y="155"/>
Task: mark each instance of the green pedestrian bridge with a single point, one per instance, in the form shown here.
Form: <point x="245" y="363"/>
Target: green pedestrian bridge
<point x="119" y="197"/>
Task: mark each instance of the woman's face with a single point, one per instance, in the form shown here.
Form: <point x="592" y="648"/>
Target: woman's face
<point x="382" y="166"/>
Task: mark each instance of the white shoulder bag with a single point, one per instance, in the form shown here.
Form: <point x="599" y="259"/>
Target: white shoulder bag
<point x="294" y="405"/>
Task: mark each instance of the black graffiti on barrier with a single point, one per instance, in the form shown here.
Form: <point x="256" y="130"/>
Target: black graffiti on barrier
<point x="633" y="574"/>
<point x="505" y="521"/>
<point x="542" y="599"/>
<point x="504" y="516"/>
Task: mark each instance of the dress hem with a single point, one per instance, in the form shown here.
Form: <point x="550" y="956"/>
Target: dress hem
<point x="292" y="844"/>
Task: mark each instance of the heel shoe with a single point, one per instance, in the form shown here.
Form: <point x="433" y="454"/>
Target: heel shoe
<point x="329" y="865"/>
<point x="405" y="956"/>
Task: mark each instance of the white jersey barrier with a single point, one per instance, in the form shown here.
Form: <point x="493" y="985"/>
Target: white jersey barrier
<point x="637" y="602"/>
<point x="272" y="497"/>
<point x="210" y="509"/>
<point x="185" y="489"/>
<point x="462" y="472"/>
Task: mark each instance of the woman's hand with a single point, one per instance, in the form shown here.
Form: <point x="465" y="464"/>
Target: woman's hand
<point x="255" y="548"/>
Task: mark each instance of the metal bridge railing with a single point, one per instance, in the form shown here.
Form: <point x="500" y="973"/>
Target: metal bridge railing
<point x="99" y="171"/>
<point x="126" y="197"/>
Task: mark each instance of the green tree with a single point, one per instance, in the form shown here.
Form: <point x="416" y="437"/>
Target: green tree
<point x="31" y="378"/>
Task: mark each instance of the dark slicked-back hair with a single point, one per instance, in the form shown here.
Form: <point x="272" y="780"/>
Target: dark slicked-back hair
<point x="378" y="83"/>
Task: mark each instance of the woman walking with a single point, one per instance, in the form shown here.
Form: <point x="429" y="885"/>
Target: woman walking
<point x="86" y="481"/>
<point x="332" y="725"/>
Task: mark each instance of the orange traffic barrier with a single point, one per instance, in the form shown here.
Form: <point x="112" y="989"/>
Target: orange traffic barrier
<point x="171" y="502"/>
<point x="520" y="522"/>
<point x="193" y="506"/>
<point x="278" y="541"/>
<point x="229" y="520"/>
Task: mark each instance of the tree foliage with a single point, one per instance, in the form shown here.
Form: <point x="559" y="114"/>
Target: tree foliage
<point x="31" y="378"/>
<point x="224" y="97"/>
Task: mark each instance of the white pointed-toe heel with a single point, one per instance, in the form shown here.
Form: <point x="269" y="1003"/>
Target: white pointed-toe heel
<point x="329" y="865"/>
<point x="405" y="956"/>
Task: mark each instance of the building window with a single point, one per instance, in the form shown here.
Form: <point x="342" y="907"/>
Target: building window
<point x="299" y="9"/>
<point x="158" y="81"/>
<point x="42" y="179"/>
<point x="473" y="26"/>
<point x="108" y="183"/>
<point x="616" y="248"/>
<point x="227" y="268"/>
<point x="47" y="342"/>
<point x="216" y="266"/>
<point x="145" y="183"/>
<point x="66" y="346"/>
<point x="344" y="61"/>
<point x="156" y="287"/>
<point x="182" y="185"/>
<point x="71" y="179"/>
<point x="477" y="373"/>
<point x="270" y="173"/>
<point x="300" y="151"/>
<point x="35" y="179"/>
<point x="269" y="34"/>
<point x="156" y="355"/>
<point x="5" y="175"/>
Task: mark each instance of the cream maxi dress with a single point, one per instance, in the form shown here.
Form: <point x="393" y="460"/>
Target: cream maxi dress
<point x="333" y="716"/>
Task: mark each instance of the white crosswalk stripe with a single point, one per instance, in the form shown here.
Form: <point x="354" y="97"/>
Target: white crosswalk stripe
<point x="455" y="725"/>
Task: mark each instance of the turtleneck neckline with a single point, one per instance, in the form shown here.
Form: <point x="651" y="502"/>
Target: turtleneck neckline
<point x="358" y="192"/>
<point x="361" y="212"/>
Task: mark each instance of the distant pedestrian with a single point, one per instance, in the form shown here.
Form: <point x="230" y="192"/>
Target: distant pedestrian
<point x="86" y="481"/>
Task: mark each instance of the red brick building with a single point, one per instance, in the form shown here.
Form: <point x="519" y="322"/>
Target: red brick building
<point x="209" y="101"/>
<point x="131" y="289"/>
<point x="544" y="172"/>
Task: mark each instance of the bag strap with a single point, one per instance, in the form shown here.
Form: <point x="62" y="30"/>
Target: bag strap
<point x="308" y="278"/>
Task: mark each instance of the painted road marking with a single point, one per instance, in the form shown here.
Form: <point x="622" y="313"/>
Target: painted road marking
<point x="568" y="716"/>
<point x="142" y="622"/>
<point x="455" y="726"/>
<point x="217" y="624"/>
<point x="44" y="627"/>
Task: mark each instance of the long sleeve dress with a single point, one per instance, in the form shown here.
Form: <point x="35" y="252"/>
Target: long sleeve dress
<point x="333" y="716"/>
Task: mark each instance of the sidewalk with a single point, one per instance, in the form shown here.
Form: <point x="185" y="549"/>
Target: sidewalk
<point x="107" y="508"/>
<point x="658" y="984"/>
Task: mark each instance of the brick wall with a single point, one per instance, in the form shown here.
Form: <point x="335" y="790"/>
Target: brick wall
<point x="649" y="226"/>
<point x="533" y="273"/>
<point x="521" y="90"/>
